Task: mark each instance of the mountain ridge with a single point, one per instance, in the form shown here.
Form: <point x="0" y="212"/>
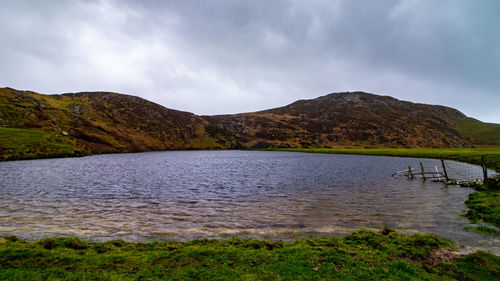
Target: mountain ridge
<point x="104" y="122"/>
<point x="353" y="119"/>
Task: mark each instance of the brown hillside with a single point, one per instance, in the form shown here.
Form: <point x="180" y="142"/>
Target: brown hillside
<point x="348" y="119"/>
<point x="34" y="125"/>
<point x="97" y="122"/>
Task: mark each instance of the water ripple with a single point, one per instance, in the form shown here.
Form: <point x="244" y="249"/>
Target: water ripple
<point x="213" y="194"/>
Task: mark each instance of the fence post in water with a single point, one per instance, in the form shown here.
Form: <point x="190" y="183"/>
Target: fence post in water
<point x="444" y="170"/>
<point x="485" y="170"/>
<point x="423" y="171"/>
<point x="410" y="171"/>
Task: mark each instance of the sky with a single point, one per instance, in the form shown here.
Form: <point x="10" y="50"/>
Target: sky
<point x="228" y="56"/>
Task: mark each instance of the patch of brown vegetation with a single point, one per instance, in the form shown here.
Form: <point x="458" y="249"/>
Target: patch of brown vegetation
<point x="349" y="120"/>
<point x="442" y="255"/>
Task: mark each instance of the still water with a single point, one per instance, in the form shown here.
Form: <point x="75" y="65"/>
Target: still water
<point x="215" y="194"/>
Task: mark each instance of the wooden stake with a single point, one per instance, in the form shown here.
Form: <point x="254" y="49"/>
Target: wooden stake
<point x="410" y="171"/>
<point x="485" y="170"/>
<point x="423" y="171"/>
<point x="444" y="170"/>
<point x="437" y="173"/>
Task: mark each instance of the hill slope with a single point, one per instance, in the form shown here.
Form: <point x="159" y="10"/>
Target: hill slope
<point x="86" y="123"/>
<point x="358" y="119"/>
<point x="34" y="125"/>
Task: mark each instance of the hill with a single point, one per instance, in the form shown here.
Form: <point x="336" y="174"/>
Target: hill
<point x="358" y="119"/>
<point x="33" y="125"/>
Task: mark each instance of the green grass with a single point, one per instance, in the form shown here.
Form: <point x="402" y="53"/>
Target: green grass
<point x="484" y="207"/>
<point x="479" y="132"/>
<point x="60" y="101"/>
<point x="17" y="143"/>
<point x="484" y="230"/>
<point x="361" y="256"/>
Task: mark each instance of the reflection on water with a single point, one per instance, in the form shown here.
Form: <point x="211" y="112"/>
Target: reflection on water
<point x="192" y="194"/>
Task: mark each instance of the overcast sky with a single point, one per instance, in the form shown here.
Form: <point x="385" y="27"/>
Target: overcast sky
<point x="215" y="57"/>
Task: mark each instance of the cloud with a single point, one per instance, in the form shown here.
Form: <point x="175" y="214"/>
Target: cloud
<point x="214" y="57"/>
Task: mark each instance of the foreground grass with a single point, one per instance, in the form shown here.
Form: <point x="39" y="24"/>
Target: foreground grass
<point x="469" y="155"/>
<point x="362" y="255"/>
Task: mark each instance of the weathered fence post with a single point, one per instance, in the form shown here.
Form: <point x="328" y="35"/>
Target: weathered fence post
<point x="410" y="171"/>
<point x="444" y="170"/>
<point x="485" y="170"/>
<point x="438" y="175"/>
<point x="423" y="171"/>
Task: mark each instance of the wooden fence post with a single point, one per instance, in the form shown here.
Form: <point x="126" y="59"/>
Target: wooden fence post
<point x="410" y="171"/>
<point x="423" y="171"/>
<point x="444" y="170"/>
<point x="485" y="170"/>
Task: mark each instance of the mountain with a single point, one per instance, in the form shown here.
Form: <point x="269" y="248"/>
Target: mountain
<point x="358" y="119"/>
<point x="33" y="125"/>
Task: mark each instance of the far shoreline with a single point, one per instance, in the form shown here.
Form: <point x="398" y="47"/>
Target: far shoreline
<point x="467" y="155"/>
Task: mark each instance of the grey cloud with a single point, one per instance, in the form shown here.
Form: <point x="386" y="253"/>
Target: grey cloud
<point x="213" y="57"/>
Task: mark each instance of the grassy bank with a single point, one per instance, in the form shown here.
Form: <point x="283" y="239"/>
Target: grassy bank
<point x="362" y="255"/>
<point x="484" y="206"/>
<point x="20" y="143"/>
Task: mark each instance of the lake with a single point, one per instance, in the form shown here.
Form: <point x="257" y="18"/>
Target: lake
<point x="182" y="195"/>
